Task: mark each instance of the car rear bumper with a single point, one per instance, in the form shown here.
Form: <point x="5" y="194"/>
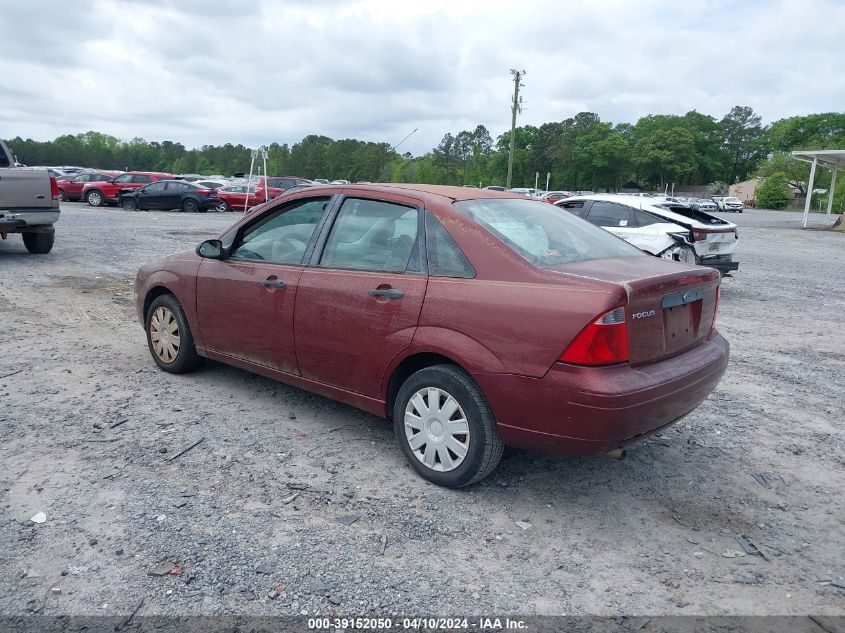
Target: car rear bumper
<point x="22" y="219"/>
<point x="723" y="264"/>
<point x="586" y="410"/>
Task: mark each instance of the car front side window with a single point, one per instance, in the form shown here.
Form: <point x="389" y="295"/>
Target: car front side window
<point x="610" y="214"/>
<point x="282" y="235"/>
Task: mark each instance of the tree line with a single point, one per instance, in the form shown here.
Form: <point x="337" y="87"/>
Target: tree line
<point x="581" y="152"/>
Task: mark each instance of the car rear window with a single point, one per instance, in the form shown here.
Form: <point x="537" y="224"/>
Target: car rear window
<point x="543" y="235"/>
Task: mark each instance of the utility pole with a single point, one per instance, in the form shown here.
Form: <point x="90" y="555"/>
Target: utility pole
<point x="516" y="106"/>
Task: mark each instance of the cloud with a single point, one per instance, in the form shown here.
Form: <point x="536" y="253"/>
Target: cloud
<point x="226" y="71"/>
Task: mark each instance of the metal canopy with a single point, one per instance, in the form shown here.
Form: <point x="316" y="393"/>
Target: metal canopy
<point x="830" y="158"/>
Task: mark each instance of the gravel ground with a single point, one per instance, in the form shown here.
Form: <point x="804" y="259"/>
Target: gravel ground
<point x="293" y="504"/>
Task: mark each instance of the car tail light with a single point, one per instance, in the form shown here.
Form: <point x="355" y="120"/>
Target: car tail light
<point x="54" y="187"/>
<point x="204" y="192"/>
<point x="715" y="312"/>
<point x="602" y="342"/>
<point x="699" y="236"/>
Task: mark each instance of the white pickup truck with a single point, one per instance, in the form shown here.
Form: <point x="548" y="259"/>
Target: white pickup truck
<point x="29" y="203"/>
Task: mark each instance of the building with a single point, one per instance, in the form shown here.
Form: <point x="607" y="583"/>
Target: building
<point x="746" y="190"/>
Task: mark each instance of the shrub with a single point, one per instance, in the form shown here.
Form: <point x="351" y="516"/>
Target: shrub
<point x="773" y="192"/>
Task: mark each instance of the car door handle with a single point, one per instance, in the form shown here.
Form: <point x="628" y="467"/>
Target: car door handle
<point x="387" y="293"/>
<point x="273" y="283"/>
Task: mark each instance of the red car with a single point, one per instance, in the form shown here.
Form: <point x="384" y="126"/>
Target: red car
<point x="71" y="189"/>
<point x="234" y="197"/>
<point x="99" y="193"/>
<point x="470" y="318"/>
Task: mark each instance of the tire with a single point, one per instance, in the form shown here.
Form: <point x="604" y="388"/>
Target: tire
<point x="62" y="196"/>
<point x="95" y="198"/>
<point x="39" y="243"/>
<point x="481" y="444"/>
<point x="129" y="204"/>
<point x="177" y="353"/>
<point x="223" y="207"/>
<point x="190" y="206"/>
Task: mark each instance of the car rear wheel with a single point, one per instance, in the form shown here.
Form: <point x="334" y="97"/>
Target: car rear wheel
<point x="169" y="336"/>
<point x="445" y="428"/>
<point x="62" y="196"/>
<point x="130" y="204"/>
<point x="222" y="206"/>
<point x="95" y="198"/>
<point x="190" y="206"/>
<point x="39" y="243"/>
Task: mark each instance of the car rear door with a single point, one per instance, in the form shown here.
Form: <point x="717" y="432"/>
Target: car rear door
<point x="245" y="302"/>
<point x="358" y="305"/>
<point x="172" y="196"/>
<point x="150" y="196"/>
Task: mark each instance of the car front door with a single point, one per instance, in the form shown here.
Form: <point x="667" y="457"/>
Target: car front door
<point x="358" y="305"/>
<point x="245" y="302"/>
<point x="614" y="217"/>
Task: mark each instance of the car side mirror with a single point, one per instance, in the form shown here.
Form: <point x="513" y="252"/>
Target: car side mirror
<point x="211" y="249"/>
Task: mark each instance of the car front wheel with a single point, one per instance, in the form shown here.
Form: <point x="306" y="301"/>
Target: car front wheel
<point x="95" y="198"/>
<point x="445" y="428"/>
<point x="169" y="336"/>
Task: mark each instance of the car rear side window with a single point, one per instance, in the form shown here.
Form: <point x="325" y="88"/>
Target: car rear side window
<point x="445" y="258"/>
<point x="373" y="235"/>
<point x="645" y="219"/>
<point x="141" y="178"/>
<point x="541" y="234"/>
<point x="281" y="236"/>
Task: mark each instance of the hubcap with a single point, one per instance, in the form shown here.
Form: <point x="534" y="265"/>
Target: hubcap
<point x="436" y="429"/>
<point x="164" y="334"/>
<point x="94" y="198"/>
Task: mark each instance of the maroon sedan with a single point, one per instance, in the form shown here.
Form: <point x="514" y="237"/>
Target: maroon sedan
<point x="472" y="319"/>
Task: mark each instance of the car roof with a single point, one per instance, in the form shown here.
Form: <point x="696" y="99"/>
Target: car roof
<point x="450" y="192"/>
<point x="644" y="204"/>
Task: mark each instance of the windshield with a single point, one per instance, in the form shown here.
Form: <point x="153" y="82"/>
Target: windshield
<point x="542" y="233"/>
<point x="731" y="199"/>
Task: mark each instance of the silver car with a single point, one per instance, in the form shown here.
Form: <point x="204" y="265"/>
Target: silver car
<point x="703" y="204"/>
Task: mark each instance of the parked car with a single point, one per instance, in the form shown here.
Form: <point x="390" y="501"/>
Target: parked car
<point x="495" y="188"/>
<point x="99" y="193"/>
<point x="211" y="184"/>
<point x="321" y="181"/>
<point x="703" y="204"/>
<point x="170" y="194"/>
<point x="239" y="197"/>
<point x="528" y="192"/>
<point x="554" y="196"/>
<point x="71" y="188"/>
<point x="29" y="203"/>
<point x="663" y="229"/>
<point x="510" y="323"/>
<point x="277" y="184"/>
<point x="728" y="203"/>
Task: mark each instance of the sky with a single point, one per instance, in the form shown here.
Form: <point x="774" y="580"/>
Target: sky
<point x="261" y="71"/>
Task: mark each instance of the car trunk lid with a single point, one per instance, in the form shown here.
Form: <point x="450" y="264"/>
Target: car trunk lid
<point x="671" y="307"/>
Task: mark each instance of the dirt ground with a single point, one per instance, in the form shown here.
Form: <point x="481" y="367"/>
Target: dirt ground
<point x="293" y="504"/>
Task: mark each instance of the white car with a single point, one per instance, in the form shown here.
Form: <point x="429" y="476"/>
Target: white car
<point x="663" y="229"/>
<point x="729" y="203"/>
